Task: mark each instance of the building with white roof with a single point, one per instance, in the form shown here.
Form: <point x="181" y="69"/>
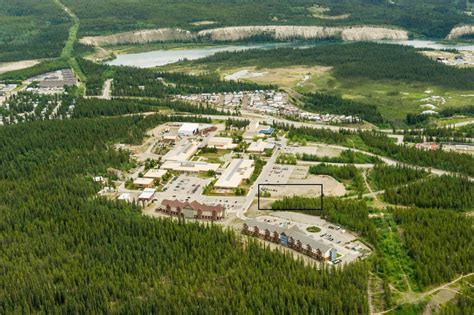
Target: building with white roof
<point x="259" y="146"/>
<point x="221" y="143"/>
<point x="188" y="129"/>
<point x="155" y="173"/>
<point x="235" y="173"/>
<point x="189" y="166"/>
<point x="182" y="151"/>
<point x="147" y="195"/>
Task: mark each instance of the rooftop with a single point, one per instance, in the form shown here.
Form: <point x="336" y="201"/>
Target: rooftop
<point x="238" y="170"/>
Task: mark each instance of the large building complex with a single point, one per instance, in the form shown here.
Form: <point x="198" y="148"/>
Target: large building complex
<point x="235" y="173"/>
<point x="291" y="237"/>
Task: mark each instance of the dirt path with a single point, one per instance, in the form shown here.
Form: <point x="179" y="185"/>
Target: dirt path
<point x="412" y="298"/>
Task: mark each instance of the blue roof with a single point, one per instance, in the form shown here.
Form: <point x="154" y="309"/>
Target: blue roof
<point x="268" y="131"/>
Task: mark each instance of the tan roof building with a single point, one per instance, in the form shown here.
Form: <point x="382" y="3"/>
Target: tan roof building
<point x="183" y="150"/>
<point x="221" y="143"/>
<point x="235" y="173"/>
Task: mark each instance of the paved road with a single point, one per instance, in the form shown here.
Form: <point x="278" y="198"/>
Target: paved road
<point x="260" y="180"/>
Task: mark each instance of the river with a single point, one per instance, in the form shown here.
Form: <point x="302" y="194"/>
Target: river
<point x="163" y="57"/>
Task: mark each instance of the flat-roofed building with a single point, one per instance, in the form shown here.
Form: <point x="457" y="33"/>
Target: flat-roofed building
<point x="144" y="182"/>
<point x="192" y="210"/>
<point x="147" y="195"/>
<point x="182" y="151"/>
<point x="259" y="146"/>
<point x="189" y="166"/>
<point x="235" y="173"/>
<point x="188" y="129"/>
<point x="221" y="143"/>
<point x="155" y="173"/>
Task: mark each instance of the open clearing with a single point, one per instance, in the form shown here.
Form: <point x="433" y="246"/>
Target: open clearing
<point x="18" y="65"/>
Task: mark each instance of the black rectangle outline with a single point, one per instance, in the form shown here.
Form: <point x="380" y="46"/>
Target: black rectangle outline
<point x="258" y="197"/>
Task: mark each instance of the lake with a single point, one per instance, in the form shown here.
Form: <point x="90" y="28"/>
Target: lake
<point x="164" y="57"/>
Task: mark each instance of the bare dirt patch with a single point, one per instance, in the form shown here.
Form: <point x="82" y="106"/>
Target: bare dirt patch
<point x="286" y="77"/>
<point x="202" y="23"/>
<point x="11" y="66"/>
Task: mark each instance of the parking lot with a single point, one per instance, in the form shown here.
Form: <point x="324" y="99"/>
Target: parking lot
<point x="190" y="188"/>
<point x="185" y="186"/>
<point x="279" y="174"/>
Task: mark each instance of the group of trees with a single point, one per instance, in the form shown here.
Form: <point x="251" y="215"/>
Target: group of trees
<point x="346" y="156"/>
<point x="68" y="251"/>
<point x="437" y="192"/>
<point x="450" y="161"/>
<point x="333" y="104"/>
<point x="236" y="123"/>
<point x="447" y="134"/>
<point x="286" y="158"/>
<point x="383" y="176"/>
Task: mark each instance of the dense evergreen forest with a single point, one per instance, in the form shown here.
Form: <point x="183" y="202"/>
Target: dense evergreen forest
<point x="354" y="61"/>
<point x="383" y="176"/>
<point x="93" y="107"/>
<point x="440" y="242"/>
<point x="333" y="104"/>
<point x="67" y="252"/>
<point x="32" y="29"/>
<point x="437" y="192"/>
<point x="430" y="18"/>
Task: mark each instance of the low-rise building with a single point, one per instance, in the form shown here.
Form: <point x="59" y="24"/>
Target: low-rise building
<point x="144" y="182"/>
<point x="259" y="146"/>
<point x="221" y="143"/>
<point x="188" y="129"/>
<point x="192" y="210"/>
<point x="234" y="174"/>
<point x="291" y="237"/>
<point x="147" y="195"/>
<point x="182" y="151"/>
<point x="189" y="166"/>
<point x="156" y="174"/>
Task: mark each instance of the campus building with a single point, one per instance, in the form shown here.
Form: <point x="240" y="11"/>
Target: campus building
<point x="291" y="237"/>
<point x="189" y="166"/>
<point x="192" y="210"/>
<point x="221" y="143"/>
<point x="182" y="151"/>
<point x="234" y="174"/>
